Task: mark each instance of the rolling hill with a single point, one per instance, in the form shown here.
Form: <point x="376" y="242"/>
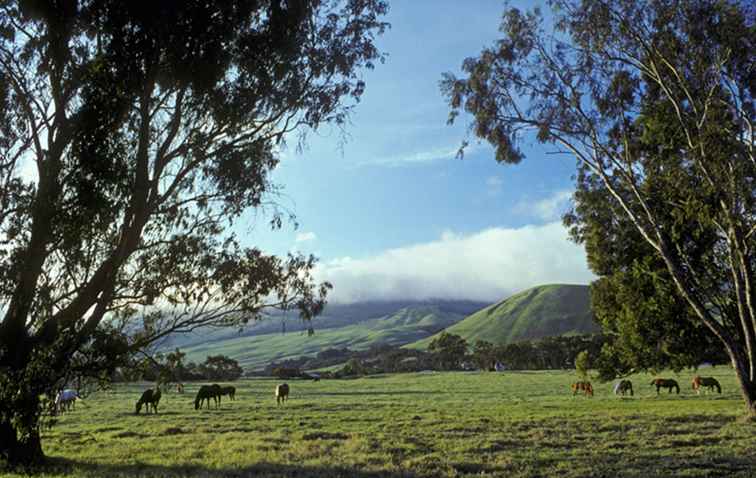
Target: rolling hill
<point x="355" y="326"/>
<point x="542" y="311"/>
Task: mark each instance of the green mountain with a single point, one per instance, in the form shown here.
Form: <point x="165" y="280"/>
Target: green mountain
<point x="355" y="326"/>
<point x="547" y="310"/>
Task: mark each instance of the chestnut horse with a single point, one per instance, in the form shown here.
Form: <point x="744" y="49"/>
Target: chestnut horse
<point x="584" y="387"/>
<point x="709" y="382"/>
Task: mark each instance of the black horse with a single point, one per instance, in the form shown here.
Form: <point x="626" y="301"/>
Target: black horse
<point x="149" y="397"/>
<point x="230" y="391"/>
<point x="667" y="383"/>
<point x="206" y="392"/>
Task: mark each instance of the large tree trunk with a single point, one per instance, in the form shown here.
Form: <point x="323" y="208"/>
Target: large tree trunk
<point x="747" y="387"/>
<point x="19" y="451"/>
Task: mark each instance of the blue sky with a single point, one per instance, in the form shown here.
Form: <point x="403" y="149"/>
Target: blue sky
<point x="392" y="213"/>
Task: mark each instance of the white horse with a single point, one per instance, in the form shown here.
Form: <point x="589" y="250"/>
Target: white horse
<point x="66" y="400"/>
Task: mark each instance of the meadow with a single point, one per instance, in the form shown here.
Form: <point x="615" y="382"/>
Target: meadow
<point x="412" y="425"/>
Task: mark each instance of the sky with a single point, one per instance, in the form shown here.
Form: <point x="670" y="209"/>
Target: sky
<point x="390" y="211"/>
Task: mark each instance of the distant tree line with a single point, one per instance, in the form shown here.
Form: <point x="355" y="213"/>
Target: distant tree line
<point x="452" y="352"/>
<point x="170" y="368"/>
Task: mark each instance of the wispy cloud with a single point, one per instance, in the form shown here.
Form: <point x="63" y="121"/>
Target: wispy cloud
<point x="305" y="237"/>
<point x="548" y="208"/>
<point x="494" y="185"/>
<point x="488" y="265"/>
<point x="422" y="157"/>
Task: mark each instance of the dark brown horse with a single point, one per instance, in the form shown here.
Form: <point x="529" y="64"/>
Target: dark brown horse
<point x="206" y="392"/>
<point x="584" y="387"/>
<point x="149" y="397"/>
<point x="230" y="391"/>
<point x="709" y="382"/>
<point x="282" y="393"/>
<point x="667" y="383"/>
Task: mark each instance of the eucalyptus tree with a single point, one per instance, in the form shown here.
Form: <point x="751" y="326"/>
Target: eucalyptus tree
<point x="654" y="99"/>
<point x="134" y="136"/>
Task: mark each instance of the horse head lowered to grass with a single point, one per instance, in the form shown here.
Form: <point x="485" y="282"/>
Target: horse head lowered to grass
<point x="206" y="392"/>
<point x="709" y="382"/>
<point x="149" y="397"/>
<point x="667" y="383"/>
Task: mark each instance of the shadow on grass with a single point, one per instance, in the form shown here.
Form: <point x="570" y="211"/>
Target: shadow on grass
<point x="66" y="467"/>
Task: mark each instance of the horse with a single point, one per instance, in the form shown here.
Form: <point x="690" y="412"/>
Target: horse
<point x="230" y="391"/>
<point x="708" y="382"/>
<point x="623" y="386"/>
<point x="584" y="387"/>
<point x="66" y="400"/>
<point x="282" y="393"/>
<point x="149" y="397"/>
<point x="206" y="392"/>
<point x="179" y="388"/>
<point x="667" y="383"/>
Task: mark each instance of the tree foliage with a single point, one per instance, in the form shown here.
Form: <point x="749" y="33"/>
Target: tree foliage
<point x="449" y="350"/>
<point x="133" y="137"/>
<point x="583" y="364"/>
<point x="655" y="101"/>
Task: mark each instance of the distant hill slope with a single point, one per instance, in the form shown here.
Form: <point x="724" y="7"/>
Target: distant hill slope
<point x="547" y="310"/>
<point x="354" y="326"/>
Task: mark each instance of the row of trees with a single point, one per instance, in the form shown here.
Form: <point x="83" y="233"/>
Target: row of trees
<point x="170" y="368"/>
<point x="451" y="352"/>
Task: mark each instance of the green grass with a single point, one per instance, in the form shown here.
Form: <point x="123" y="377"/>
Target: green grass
<point x="256" y="351"/>
<point x="414" y="425"/>
<point x="538" y="312"/>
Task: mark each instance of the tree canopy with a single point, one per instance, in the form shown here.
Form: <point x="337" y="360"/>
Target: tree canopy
<point x="133" y="138"/>
<point x="655" y="102"/>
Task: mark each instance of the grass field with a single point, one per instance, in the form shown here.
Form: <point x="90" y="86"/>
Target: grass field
<point x="413" y="425"/>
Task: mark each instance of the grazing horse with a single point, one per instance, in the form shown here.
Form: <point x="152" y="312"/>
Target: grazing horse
<point x="66" y="400"/>
<point x="282" y="393"/>
<point x="584" y="387"/>
<point x="149" y="397"/>
<point x="708" y="382"/>
<point x="623" y="386"/>
<point x="667" y="383"/>
<point x="206" y="392"/>
<point x="230" y="391"/>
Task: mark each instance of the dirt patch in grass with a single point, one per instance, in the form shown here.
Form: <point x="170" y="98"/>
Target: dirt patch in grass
<point x="173" y="431"/>
<point x="325" y="436"/>
<point x="129" y="434"/>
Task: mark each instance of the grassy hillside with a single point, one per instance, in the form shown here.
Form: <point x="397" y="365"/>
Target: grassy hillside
<point x="403" y="326"/>
<point x="542" y="311"/>
<point x="439" y="425"/>
<point x="335" y="316"/>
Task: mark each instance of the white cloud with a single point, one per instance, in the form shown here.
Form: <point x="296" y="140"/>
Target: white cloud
<point x="28" y="170"/>
<point x="547" y="209"/>
<point x="494" y="185"/>
<point x="422" y="157"/>
<point x="305" y="237"/>
<point x="488" y="265"/>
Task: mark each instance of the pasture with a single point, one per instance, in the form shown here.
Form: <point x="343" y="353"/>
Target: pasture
<point x="412" y="425"/>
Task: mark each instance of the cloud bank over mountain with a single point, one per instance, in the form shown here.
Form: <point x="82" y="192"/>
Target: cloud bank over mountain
<point x="486" y="266"/>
